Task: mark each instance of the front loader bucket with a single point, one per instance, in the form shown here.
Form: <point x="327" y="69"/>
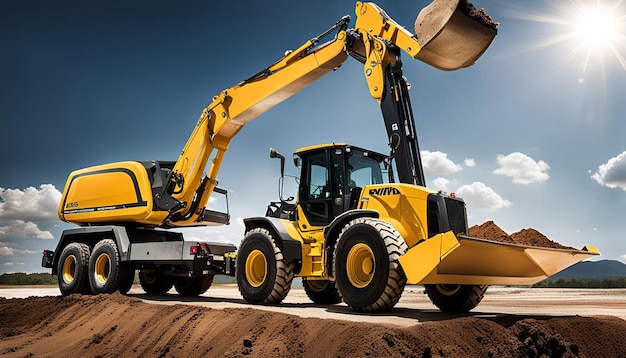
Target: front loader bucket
<point x="446" y="259"/>
<point x="453" y="34"/>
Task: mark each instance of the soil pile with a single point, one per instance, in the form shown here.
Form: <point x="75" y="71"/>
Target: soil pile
<point x="529" y="237"/>
<point x="116" y="325"/>
<point x="490" y="231"/>
<point x="532" y="237"/>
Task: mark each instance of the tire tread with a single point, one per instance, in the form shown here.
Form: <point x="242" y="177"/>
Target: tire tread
<point x="396" y="280"/>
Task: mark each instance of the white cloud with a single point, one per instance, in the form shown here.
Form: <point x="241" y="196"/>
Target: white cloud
<point x="612" y="174"/>
<point x="479" y="196"/>
<point x="13" y="264"/>
<point x="6" y="251"/>
<point x="22" y="210"/>
<point x="23" y="229"/>
<point x="440" y="183"/>
<point x="438" y="162"/>
<point x="31" y="204"/>
<point x="522" y="168"/>
<point x="470" y="162"/>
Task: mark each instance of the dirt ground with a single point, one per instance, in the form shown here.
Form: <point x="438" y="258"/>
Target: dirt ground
<point x="116" y="325"/>
<point x="220" y="324"/>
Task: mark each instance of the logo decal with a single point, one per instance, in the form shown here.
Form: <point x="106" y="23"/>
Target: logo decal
<point x="385" y="191"/>
<point x="71" y="205"/>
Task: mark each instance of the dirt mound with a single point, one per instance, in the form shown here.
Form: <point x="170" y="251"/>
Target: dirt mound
<point x="529" y="237"/>
<point x="116" y="325"/>
<point x="532" y="237"/>
<point x="490" y="231"/>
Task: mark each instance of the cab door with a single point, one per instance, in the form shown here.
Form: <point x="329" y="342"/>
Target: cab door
<point x="322" y="185"/>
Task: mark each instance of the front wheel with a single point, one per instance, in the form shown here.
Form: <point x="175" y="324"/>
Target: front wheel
<point x="367" y="272"/>
<point x="193" y="286"/>
<point x="321" y="292"/>
<point x="73" y="269"/>
<point x="263" y="275"/>
<point x="455" y="298"/>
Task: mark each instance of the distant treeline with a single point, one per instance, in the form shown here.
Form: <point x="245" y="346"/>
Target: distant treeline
<point x="21" y="278"/>
<point x="616" y="282"/>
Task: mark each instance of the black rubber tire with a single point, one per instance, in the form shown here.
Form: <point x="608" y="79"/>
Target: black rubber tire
<point x="321" y="292"/>
<point x="73" y="269"/>
<point x="381" y="288"/>
<point x="127" y="278"/>
<point x="263" y="276"/>
<point x="105" y="271"/>
<point x="455" y="298"/>
<point x="154" y="283"/>
<point x="193" y="286"/>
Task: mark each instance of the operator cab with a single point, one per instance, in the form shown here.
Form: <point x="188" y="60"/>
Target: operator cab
<point x="332" y="177"/>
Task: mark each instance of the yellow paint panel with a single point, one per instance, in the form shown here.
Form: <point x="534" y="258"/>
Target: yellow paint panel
<point x="103" y="189"/>
<point x="108" y="193"/>
<point x="422" y="259"/>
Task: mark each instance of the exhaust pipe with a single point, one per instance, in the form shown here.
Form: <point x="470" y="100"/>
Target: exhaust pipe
<point x="453" y="34"/>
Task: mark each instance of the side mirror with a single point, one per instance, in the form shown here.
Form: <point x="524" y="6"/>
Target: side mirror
<point x="275" y="154"/>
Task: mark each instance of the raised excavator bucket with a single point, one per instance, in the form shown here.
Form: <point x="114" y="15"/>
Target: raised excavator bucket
<point x="453" y="34"/>
<point x="450" y="259"/>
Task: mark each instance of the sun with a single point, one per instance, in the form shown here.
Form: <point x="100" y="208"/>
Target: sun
<point x="596" y="30"/>
<point x="599" y="32"/>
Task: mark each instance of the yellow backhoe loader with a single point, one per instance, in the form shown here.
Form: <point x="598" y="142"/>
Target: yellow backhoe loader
<point x="352" y="234"/>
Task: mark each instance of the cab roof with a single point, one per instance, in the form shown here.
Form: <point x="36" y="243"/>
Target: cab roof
<point x="337" y="145"/>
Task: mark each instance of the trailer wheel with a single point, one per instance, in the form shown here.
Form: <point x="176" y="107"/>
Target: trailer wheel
<point x="321" y="292"/>
<point x="73" y="269"/>
<point x="455" y="298"/>
<point x="193" y="286"/>
<point x="263" y="276"/>
<point x="154" y="283"/>
<point x="105" y="269"/>
<point x="368" y="274"/>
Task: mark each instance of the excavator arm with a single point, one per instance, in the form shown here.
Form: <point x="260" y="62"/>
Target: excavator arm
<point x="376" y="41"/>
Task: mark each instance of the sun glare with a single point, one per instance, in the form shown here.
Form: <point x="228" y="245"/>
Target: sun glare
<point x="595" y="28"/>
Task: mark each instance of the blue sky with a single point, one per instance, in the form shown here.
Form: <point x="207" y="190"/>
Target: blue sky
<point x="532" y="135"/>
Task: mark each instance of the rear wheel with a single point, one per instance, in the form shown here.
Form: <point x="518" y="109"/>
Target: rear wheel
<point x="322" y="292"/>
<point x="263" y="275"/>
<point x="368" y="274"/>
<point x="193" y="286"/>
<point x="105" y="269"/>
<point x="154" y="283"/>
<point x="455" y="298"/>
<point x="73" y="269"/>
